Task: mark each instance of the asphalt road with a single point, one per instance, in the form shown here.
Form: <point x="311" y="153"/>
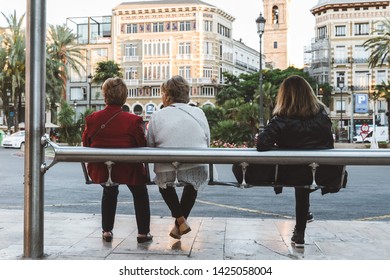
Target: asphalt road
<point x="366" y="197"/>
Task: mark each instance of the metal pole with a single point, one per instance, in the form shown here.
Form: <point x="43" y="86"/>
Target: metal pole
<point x="35" y="125"/>
<point x="89" y="82"/>
<point x="260" y="22"/>
<point x="352" y="126"/>
<point x="261" y="97"/>
<point x="374" y="142"/>
<point x="341" y="114"/>
<point x="220" y="156"/>
<point x="89" y="95"/>
<point x="352" y="112"/>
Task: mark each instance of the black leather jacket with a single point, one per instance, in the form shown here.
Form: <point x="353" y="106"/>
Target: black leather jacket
<point x="289" y="133"/>
<point x="310" y="133"/>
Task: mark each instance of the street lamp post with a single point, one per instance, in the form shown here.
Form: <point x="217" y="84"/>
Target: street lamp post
<point x="260" y="22"/>
<point x="75" y="110"/>
<point x="374" y="143"/>
<point x="9" y="110"/>
<point x="89" y="79"/>
<point x="352" y="126"/>
<point x="340" y="85"/>
<point x="352" y="130"/>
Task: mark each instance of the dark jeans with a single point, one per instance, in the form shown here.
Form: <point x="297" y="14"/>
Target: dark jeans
<point x="302" y="196"/>
<point x="182" y="207"/>
<point x="141" y="207"/>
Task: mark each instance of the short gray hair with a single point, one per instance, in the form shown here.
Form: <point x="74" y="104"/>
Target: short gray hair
<point x="177" y="89"/>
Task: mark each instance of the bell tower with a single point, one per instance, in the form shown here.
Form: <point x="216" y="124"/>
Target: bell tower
<point x="276" y="33"/>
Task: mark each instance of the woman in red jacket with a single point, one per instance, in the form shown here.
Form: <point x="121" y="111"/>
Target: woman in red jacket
<point x="120" y="130"/>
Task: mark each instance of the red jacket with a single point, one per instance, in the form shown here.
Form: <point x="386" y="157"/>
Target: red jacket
<point x="124" y="131"/>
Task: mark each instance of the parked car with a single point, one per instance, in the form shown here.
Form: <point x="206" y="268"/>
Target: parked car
<point x="381" y="133"/>
<point x="15" y="140"/>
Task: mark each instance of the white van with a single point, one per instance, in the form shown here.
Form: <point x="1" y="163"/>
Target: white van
<point x="381" y="135"/>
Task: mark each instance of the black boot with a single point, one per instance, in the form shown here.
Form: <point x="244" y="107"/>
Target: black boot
<point x="298" y="238"/>
<point x="310" y="217"/>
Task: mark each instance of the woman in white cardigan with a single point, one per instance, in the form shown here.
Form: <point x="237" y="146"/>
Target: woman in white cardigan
<point x="179" y="125"/>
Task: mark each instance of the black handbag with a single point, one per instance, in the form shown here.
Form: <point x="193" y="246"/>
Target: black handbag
<point x="256" y="174"/>
<point x="328" y="178"/>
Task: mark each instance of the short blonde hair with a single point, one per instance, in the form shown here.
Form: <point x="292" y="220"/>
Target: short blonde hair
<point x="176" y="89"/>
<point x="114" y="91"/>
<point x="296" y="99"/>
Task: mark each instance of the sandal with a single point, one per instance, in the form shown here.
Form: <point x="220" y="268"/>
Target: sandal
<point x="107" y="238"/>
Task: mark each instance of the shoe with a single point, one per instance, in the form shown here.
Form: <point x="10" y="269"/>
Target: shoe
<point x="107" y="236"/>
<point x="298" y="238"/>
<point x="184" y="228"/>
<point x="175" y="233"/>
<point x="142" y="239"/>
<point x="310" y="217"/>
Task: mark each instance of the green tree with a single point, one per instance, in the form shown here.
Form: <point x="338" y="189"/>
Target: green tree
<point x="379" y="46"/>
<point x="325" y="91"/>
<point x="380" y="54"/>
<point x="13" y="65"/>
<point x="69" y="131"/>
<point x="105" y="70"/>
<point x="236" y="116"/>
<point x="384" y="91"/>
<point x="3" y="79"/>
<point x="213" y="114"/>
<point x="63" y="53"/>
<point x="242" y="86"/>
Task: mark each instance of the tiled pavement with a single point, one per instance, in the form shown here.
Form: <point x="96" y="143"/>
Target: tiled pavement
<point x="78" y="237"/>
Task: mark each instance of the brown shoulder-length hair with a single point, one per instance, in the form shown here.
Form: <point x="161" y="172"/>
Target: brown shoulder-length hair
<point x="176" y="89"/>
<point x="114" y="91"/>
<point x="296" y="99"/>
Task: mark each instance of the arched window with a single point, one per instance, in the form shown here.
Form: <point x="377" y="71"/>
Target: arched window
<point x="275" y="14"/>
<point x="126" y="107"/>
<point x="137" y="109"/>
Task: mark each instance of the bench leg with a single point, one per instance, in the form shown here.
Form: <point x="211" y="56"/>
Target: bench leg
<point x="244" y="166"/>
<point x="109" y="182"/>
<point x="313" y="171"/>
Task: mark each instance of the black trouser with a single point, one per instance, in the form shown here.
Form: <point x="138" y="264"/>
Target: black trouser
<point x="302" y="196"/>
<point x="141" y="207"/>
<point x="187" y="201"/>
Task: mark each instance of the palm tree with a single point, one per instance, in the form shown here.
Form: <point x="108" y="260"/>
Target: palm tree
<point x="13" y="71"/>
<point x="63" y="53"/>
<point x="380" y="54"/>
<point x="384" y="91"/>
<point x="379" y="46"/>
<point x="270" y="91"/>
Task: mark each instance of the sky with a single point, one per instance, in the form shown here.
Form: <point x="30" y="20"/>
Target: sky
<point x="244" y="27"/>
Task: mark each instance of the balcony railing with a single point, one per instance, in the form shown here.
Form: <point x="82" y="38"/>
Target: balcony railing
<point x="130" y="58"/>
<point x="184" y="57"/>
<point x="208" y="57"/>
<point x="132" y="82"/>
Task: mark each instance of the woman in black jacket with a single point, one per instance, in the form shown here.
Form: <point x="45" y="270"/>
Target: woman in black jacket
<point x="299" y="122"/>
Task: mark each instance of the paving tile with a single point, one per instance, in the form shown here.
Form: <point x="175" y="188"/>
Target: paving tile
<point x="78" y="237"/>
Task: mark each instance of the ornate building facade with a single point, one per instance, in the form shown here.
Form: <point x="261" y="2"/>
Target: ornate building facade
<point x="276" y="41"/>
<point x="154" y="40"/>
<point x="339" y="58"/>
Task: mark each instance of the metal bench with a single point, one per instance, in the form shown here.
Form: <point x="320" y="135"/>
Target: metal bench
<point x="244" y="157"/>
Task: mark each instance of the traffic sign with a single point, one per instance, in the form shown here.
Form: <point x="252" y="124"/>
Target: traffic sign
<point x="365" y="128"/>
<point x="361" y="103"/>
